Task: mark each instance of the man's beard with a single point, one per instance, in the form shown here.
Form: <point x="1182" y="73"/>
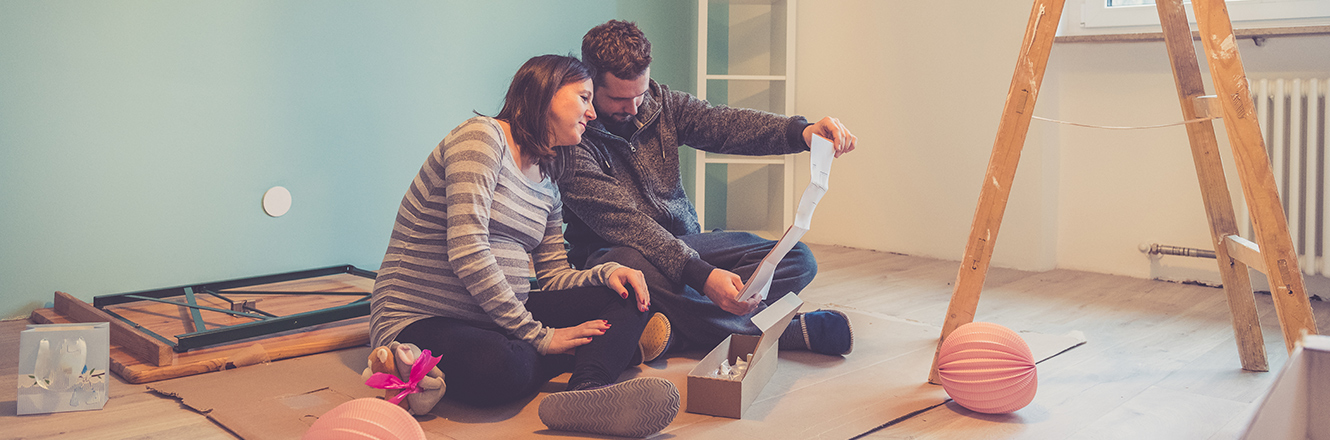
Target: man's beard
<point x="620" y="119"/>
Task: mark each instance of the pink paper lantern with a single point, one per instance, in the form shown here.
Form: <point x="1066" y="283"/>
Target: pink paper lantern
<point x="987" y="368"/>
<point x="365" y="418"/>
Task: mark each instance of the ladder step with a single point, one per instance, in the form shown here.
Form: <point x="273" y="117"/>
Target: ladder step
<point x="1207" y="106"/>
<point x="1244" y="250"/>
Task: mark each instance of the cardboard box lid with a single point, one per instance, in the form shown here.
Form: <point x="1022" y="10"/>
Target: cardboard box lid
<point x="774" y="319"/>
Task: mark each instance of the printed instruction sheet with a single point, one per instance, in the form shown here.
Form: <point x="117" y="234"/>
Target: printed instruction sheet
<point x="820" y="166"/>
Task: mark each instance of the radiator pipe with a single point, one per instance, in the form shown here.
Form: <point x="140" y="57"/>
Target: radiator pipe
<point x="1163" y="249"/>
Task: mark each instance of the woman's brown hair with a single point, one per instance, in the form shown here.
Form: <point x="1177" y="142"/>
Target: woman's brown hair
<point x="527" y="104"/>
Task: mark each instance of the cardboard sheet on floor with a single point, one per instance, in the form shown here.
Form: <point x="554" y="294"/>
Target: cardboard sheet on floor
<point x="809" y="396"/>
<point x="274" y="400"/>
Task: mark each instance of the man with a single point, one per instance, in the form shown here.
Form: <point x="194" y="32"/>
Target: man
<point x="624" y="200"/>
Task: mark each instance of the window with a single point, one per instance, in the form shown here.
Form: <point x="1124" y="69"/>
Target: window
<point x="1111" y="13"/>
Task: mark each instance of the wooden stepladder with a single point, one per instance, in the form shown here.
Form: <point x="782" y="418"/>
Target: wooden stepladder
<point x="1273" y="254"/>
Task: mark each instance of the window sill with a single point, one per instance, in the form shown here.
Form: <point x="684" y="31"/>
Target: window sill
<point x="1256" y="34"/>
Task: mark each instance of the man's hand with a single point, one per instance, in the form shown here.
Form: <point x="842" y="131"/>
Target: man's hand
<point x="632" y="277"/>
<point x="567" y="339"/>
<point x="723" y="287"/>
<point x="831" y="128"/>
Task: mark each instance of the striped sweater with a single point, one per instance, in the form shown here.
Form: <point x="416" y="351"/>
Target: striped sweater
<point x="468" y="232"/>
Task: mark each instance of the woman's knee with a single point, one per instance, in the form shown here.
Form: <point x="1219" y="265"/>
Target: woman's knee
<point x="492" y="375"/>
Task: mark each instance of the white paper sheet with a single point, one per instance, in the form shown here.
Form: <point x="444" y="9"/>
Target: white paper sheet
<point x="819" y="163"/>
<point x="820" y="166"/>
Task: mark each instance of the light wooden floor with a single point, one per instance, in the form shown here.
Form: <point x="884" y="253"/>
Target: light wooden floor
<point x="1161" y="362"/>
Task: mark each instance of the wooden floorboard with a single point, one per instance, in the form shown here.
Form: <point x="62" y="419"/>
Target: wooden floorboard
<point x="131" y="411"/>
<point x="1160" y="361"/>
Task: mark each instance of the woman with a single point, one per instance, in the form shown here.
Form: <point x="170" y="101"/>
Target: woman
<point x="483" y="211"/>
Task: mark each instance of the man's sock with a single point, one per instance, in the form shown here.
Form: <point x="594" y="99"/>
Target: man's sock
<point x="793" y="338"/>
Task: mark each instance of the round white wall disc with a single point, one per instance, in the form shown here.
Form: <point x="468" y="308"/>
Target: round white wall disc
<point x="276" y="201"/>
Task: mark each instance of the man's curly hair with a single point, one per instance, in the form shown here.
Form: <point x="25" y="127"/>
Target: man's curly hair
<point x="617" y="47"/>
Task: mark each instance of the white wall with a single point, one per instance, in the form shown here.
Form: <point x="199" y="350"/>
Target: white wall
<point x="924" y="89"/>
<point x="922" y="85"/>
<point x="1122" y="188"/>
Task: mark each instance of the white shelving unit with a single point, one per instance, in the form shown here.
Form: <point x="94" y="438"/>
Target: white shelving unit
<point x="758" y="73"/>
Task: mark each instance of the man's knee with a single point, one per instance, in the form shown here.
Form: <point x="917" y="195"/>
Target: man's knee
<point x="802" y="258"/>
<point x="797" y="270"/>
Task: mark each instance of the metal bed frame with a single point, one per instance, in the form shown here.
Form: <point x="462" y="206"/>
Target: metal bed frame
<point x="264" y="322"/>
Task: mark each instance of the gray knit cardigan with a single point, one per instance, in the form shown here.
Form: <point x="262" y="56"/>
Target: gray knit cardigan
<point x="629" y="192"/>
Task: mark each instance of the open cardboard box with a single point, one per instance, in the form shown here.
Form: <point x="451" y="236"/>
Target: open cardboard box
<point x="730" y="397"/>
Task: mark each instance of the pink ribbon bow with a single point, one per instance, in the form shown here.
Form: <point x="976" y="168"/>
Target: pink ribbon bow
<point x="385" y="381"/>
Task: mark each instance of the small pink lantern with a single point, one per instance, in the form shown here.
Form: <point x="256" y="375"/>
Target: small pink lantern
<point x="987" y="368"/>
<point x="365" y="418"/>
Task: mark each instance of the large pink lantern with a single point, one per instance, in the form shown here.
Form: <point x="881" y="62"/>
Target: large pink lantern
<point x="364" y="419"/>
<point x="987" y="368"/>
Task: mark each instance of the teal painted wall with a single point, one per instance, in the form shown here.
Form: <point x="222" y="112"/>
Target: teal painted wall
<point x="137" y="137"/>
<point x="672" y="28"/>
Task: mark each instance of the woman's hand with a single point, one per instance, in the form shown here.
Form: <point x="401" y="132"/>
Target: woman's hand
<point x="569" y="338"/>
<point x="625" y="276"/>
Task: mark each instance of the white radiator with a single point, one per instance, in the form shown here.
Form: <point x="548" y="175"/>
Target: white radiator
<point x="1293" y="120"/>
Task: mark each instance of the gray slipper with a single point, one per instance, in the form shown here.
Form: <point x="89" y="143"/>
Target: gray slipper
<point x="633" y="408"/>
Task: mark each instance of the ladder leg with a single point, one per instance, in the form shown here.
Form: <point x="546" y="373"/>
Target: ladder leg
<point x="1214" y="188"/>
<point x="1253" y="165"/>
<point x="996" y="188"/>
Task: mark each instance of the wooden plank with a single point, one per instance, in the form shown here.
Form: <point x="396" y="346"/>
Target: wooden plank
<point x="141" y="346"/>
<point x="295" y="343"/>
<point x="1206" y="106"/>
<point x="1258" y="183"/>
<point x="1214" y="188"/>
<point x="1245" y="251"/>
<point x="1012" y="128"/>
<point x="131" y="348"/>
